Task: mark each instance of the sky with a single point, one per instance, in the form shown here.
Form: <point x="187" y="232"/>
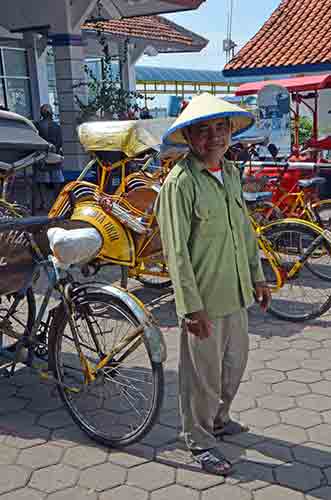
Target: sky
<point x="210" y="21"/>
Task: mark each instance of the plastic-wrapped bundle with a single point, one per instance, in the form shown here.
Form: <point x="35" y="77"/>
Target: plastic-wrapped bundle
<point x="74" y="246"/>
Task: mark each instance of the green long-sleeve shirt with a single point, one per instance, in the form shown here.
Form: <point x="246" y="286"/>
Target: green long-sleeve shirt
<point x="207" y="239"/>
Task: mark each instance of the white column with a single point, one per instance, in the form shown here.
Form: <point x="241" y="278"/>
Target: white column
<point x="30" y="44"/>
<point x="128" y="70"/>
<point x="69" y="70"/>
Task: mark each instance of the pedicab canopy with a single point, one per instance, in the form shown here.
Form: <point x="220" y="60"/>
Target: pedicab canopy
<point x="206" y="107"/>
<point x="130" y="137"/>
<point x="18" y="137"/>
<point x="299" y="84"/>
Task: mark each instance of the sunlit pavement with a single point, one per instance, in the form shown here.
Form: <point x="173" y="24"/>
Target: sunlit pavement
<point x="285" y="398"/>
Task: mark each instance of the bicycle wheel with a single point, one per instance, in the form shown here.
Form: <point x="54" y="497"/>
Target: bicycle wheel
<point x="123" y="401"/>
<point x="16" y="313"/>
<point x="305" y="295"/>
<point x="322" y="211"/>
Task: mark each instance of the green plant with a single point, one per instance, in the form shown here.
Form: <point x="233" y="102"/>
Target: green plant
<point x="107" y="99"/>
<point x="305" y="130"/>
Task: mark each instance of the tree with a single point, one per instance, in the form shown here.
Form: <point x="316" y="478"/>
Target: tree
<point x="107" y="99"/>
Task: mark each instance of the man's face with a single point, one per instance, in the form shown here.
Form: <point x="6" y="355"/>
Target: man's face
<point x="210" y="138"/>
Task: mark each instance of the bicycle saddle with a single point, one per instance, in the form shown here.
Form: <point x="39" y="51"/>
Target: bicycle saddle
<point x="314" y="181"/>
<point x="255" y="197"/>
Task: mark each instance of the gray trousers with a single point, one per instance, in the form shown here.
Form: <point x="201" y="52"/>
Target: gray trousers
<point x="210" y="372"/>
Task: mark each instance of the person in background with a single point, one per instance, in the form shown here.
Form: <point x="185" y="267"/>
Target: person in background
<point x="52" y="176"/>
<point x="214" y="264"/>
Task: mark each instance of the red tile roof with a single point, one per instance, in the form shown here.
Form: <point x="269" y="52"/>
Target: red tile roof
<point x="154" y="28"/>
<point x="297" y="33"/>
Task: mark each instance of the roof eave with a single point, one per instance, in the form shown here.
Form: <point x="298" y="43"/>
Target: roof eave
<point x="277" y="70"/>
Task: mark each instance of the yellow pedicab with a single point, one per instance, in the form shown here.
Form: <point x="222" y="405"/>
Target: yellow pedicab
<point x="125" y="219"/>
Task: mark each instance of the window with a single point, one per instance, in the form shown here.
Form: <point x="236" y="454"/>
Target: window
<point x="15" y="92"/>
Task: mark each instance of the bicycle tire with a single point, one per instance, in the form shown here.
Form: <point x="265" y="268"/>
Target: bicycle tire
<point x="23" y="317"/>
<point x="308" y="295"/>
<point x="118" y="419"/>
<point x="322" y="211"/>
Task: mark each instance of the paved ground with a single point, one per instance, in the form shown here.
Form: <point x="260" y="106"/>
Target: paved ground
<point x="285" y="397"/>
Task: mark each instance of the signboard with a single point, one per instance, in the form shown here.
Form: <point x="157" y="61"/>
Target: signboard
<point x="273" y="118"/>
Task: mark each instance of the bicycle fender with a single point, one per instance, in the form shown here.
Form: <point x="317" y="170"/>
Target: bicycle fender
<point x="153" y="336"/>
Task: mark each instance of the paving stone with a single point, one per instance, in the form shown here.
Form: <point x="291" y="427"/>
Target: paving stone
<point x="276" y="402"/>
<point x="40" y="456"/>
<point x="320" y="493"/>
<point x="299" y="476"/>
<point x="321" y="434"/>
<point x="73" y="494"/>
<point x="290" y="388"/>
<point x="327" y="472"/>
<point x="260" y="417"/>
<point x="294" y="354"/>
<point x="151" y="476"/>
<point x="242" y="403"/>
<point x="197" y="480"/>
<point x="323" y="353"/>
<point x="124" y="493"/>
<point x="268" y="376"/>
<point x="286" y="434"/>
<point x="269" y="453"/>
<point x="55" y="419"/>
<point x="276" y="344"/>
<point x="70" y="436"/>
<point x="254" y="389"/>
<point x="12" y="404"/>
<point x="327" y="375"/>
<point x="8" y="455"/>
<point x="283" y="364"/>
<point x="316" y="333"/>
<point x="326" y="344"/>
<point x="314" y="402"/>
<point x="313" y="454"/>
<point x="160" y="435"/>
<point x="262" y="355"/>
<point x="175" y="455"/>
<point x="253" y="365"/>
<point x="301" y="417"/>
<point x="323" y="387"/>
<point x="85" y="456"/>
<point x="102" y="477"/>
<point x="245" y="439"/>
<point x="252" y="476"/>
<point x="171" y="419"/>
<point x="175" y="492"/>
<point x="305" y="344"/>
<point x="326" y="416"/>
<point x="141" y="450"/>
<point x="305" y="376"/>
<point x="226" y="492"/>
<point x="126" y="460"/>
<point x="12" y="477"/>
<point x="316" y="364"/>
<point x="54" y="478"/>
<point x="275" y="492"/>
<point x="24" y="494"/>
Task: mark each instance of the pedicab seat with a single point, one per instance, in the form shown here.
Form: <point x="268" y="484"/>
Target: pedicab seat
<point x="314" y="181"/>
<point x="256" y="197"/>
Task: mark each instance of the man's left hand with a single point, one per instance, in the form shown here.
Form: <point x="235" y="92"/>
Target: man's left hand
<point x="262" y="295"/>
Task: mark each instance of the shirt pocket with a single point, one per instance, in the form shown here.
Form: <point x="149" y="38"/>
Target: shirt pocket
<point x="206" y="220"/>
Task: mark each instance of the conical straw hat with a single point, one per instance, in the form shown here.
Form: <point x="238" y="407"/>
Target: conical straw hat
<point x="208" y="107"/>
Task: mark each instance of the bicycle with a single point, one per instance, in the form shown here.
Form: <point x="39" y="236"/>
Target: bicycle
<point x="294" y="255"/>
<point x="97" y="343"/>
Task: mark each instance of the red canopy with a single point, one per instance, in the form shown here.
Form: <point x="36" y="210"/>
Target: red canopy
<point x="299" y="84"/>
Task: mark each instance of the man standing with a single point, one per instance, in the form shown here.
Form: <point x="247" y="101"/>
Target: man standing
<point x="214" y="264"/>
<point x="53" y="176"/>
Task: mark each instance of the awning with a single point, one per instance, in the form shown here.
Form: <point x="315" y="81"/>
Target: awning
<point x="132" y="8"/>
<point x="299" y="84"/>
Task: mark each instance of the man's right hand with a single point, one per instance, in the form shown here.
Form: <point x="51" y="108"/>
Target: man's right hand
<point x="198" y="323"/>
